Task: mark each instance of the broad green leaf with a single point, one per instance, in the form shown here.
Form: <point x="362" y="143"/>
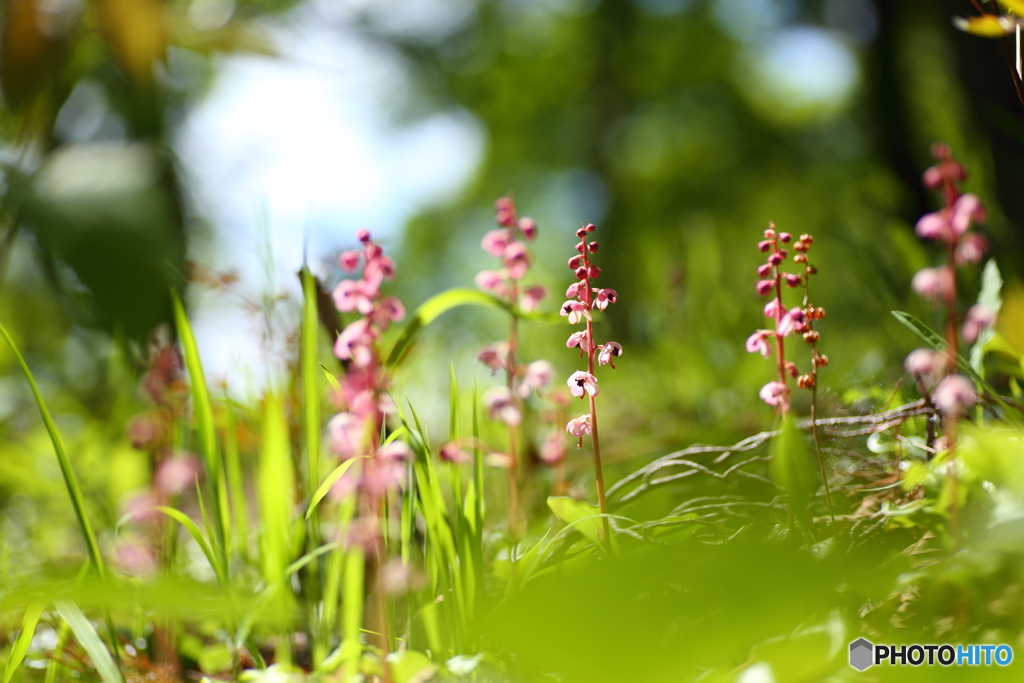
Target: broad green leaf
<point x="578" y="513"/>
<point x="525" y="565"/>
<point x="329" y="482"/>
<point x="410" y="666"/>
<point x="276" y="485"/>
<point x="792" y="466"/>
<point x="991" y="298"/>
<point x="90" y="641"/>
<point x="28" y="629"/>
<point x="70" y="480"/>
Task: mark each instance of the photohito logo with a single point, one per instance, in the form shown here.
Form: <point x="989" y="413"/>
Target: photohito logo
<point x="864" y="653"/>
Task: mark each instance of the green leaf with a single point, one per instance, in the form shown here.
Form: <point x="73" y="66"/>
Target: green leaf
<point x="330" y="481"/>
<point x="792" y="466"/>
<point x="991" y="298"/>
<point x="527" y="563"/>
<point x="28" y="629"/>
<point x="70" y="480"/>
<point x="578" y="513"/>
<point x="90" y="641"/>
<point x="276" y="486"/>
<point x="310" y="389"/>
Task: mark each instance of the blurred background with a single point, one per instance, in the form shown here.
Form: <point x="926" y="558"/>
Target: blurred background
<point x="215" y="146"/>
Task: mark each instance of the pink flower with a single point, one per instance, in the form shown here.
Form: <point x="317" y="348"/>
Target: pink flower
<point x="574" y="290"/>
<point x="144" y="429"/>
<point x="450" y="452"/>
<point x="135" y="557"/>
<point x="495" y="241"/>
<point x="579" y="426"/>
<point x="345" y="434"/>
<point x="933" y="283"/>
<point x="177" y="474"/>
<point x="764" y="270"/>
<point x="954" y="395"/>
<point x="575" y="311"/>
<point x="932" y="178"/>
<point x="553" y="449"/>
<point x="790" y="320"/>
<point x="608" y="351"/>
<point x="354" y="295"/>
<point x="355" y="343"/>
<point x="505" y="212"/>
<point x="528" y="227"/>
<point x="516" y="259"/>
<point x="580" y="339"/>
<point x="502" y="405"/>
<point x="377" y="269"/>
<point x="390" y="310"/>
<point x="491" y="281"/>
<point x="538" y="376"/>
<point x="932" y="226"/>
<point x="972" y="249"/>
<point x="967" y="209"/>
<point x="775" y="394"/>
<point x="494" y="356"/>
<point x="603" y="297"/>
<point x="923" y="362"/>
<point x="349" y="260"/>
<point x="387" y="471"/>
<point x="758" y="342"/>
<point x="765" y="286"/>
<point x="772" y="309"/>
<point x="581" y="382"/>
<point x="531" y="297"/>
<point x="978" y="318"/>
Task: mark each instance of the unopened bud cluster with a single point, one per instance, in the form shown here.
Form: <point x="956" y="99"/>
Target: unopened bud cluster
<point x="797" y="320"/>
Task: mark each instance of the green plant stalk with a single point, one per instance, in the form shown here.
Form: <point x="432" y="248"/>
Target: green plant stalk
<point x="311" y="428"/>
<point x="595" y="441"/>
<point x="236" y="481"/>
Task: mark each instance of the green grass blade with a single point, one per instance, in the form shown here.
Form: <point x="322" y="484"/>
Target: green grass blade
<point x="205" y="428"/>
<point x="276" y="484"/>
<point x="934" y="340"/>
<point x="28" y="629"/>
<point x="310" y="386"/>
<point x="329" y="482"/>
<point x="352" y="612"/>
<point x="70" y="480"/>
<point x="197" y="535"/>
<point x="90" y="641"/>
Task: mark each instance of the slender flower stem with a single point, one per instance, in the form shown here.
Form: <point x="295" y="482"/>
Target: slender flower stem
<point x="513" y="454"/>
<point x="814" y="401"/>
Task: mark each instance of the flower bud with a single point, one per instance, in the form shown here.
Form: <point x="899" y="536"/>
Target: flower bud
<point x="764" y="246"/>
<point x="812" y="337"/>
<point x="594" y="272"/>
<point x="363" y="236"/>
<point x="792" y="280"/>
<point x="806" y="381"/>
<point x="765" y="286"/>
<point x="589" y="227"/>
<point x="528" y="227"/>
<point x="581" y="233"/>
<point x="581" y="273"/>
<point x="575" y="262"/>
<point x="592" y="247"/>
<point x="785" y="237"/>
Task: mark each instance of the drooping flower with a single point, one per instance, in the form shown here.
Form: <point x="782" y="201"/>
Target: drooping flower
<point x="581" y="382"/>
<point x="538" y="376"/>
<point x="978" y="318"/>
<point x="579" y="426"/>
<point x="495" y="241"/>
<point x="354" y="295"/>
<point x="345" y="434"/>
<point x="775" y="394"/>
<point x="531" y="297"/>
<point x="491" y="281"/>
<point x="575" y="311"/>
<point x="349" y="260"/>
<point x="758" y="342"/>
<point x="516" y="259"/>
<point x="502" y="405"/>
<point x="494" y="356"/>
<point x="580" y="339"/>
<point x="972" y="249"/>
<point x="452" y="452"/>
<point x="792" y="318"/>
<point x="609" y="350"/>
<point x="933" y="283"/>
<point x="177" y="474"/>
<point x="355" y="343"/>
<point x="603" y="297"/>
<point x="528" y="227"/>
<point x="954" y="395"/>
<point x="924" y="363"/>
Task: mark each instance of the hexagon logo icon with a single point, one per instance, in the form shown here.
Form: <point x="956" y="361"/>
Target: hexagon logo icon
<point x="861" y="654"/>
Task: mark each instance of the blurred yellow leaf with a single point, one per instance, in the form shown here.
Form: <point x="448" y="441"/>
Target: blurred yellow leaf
<point x="136" y="32"/>
<point x="1015" y="6"/>
<point x="987" y="26"/>
<point x="1011" y="316"/>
